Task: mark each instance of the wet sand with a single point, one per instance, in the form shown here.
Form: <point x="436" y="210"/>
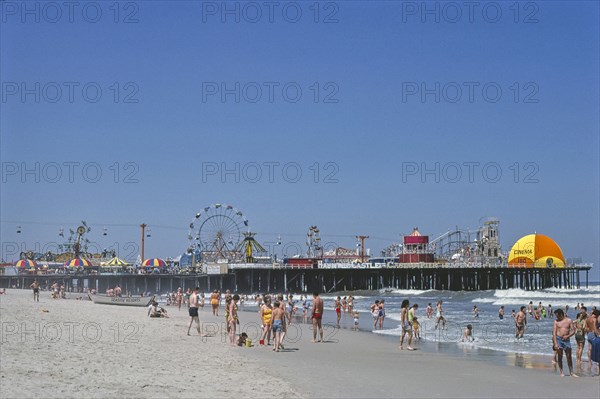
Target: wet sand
<point x="80" y="349"/>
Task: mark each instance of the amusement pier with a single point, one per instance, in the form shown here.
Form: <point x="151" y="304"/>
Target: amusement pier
<point x="222" y="253"/>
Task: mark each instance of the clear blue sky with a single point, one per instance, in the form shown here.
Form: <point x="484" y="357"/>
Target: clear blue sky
<point x="366" y="121"/>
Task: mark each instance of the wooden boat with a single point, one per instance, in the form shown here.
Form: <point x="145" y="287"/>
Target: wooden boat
<point x="122" y="301"/>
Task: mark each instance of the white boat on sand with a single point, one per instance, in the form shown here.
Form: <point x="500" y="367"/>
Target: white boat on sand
<point x="121" y="300"/>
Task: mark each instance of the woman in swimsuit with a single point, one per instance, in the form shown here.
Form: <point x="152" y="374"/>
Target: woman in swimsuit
<point x="375" y="313"/>
<point x="214" y="302"/>
<point x="579" y="325"/>
<point x="179" y="297"/>
<point x="266" y="315"/>
<point x="233" y="318"/>
<point x="381" y="313"/>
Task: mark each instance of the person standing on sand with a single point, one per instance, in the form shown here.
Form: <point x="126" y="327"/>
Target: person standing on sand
<point x="591" y="327"/>
<point x="193" y="310"/>
<point x="561" y="338"/>
<point x="233" y="318"/>
<point x="317" y="316"/>
<point x="278" y="322"/>
<point x="520" y="321"/>
<point x="338" y="310"/>
<point x="350" y="303"/>
<point x="214" y="302"/>
<point x="579" y="326"/>
<point x="179" y="297"/>
<point x="284" y="323"/>
<point x="36" y="290"/>
<point x="266" y="315"/>
<point x="406" y="326"/>
<point x="375" y="313"/>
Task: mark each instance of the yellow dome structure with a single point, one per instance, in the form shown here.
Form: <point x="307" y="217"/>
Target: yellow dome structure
<point x="536" y="250"/>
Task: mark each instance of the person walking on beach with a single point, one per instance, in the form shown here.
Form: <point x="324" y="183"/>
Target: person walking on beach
<point x="520" y="320"/>
<point x="381" y="313"/>
<point x="350" y="304"/>
<point x="406" y="326"/>
<point x="317" y="316"/>
<point x="561" y="338"/>
<point x="36" y="290"/>
<point x="193" y="311"/>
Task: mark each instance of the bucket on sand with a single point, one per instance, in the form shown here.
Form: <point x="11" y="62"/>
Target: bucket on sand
<point x="248" y="343"/>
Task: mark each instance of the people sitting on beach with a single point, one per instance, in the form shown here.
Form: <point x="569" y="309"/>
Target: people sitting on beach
<point x="468" y="334"/>
<point x="155" y="311"/>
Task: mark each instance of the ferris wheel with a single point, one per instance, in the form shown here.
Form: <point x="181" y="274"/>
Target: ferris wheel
<point x="216" y="231"/>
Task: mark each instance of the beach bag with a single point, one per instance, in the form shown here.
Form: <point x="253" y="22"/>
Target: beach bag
<point x="596" y="350"/>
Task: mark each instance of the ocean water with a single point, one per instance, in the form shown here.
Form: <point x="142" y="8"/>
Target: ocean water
<point x="489" y="331"/>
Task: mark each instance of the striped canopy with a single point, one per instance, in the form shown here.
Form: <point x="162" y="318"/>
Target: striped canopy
<point x="78" y="262"/>
<point x="116" y="262"/>
<point x="26" y="263"/>
<point x="154" y="262"/>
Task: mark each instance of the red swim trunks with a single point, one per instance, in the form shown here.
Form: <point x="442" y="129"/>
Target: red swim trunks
<point x="317" y="316"/>
<point x="338" y="310"/>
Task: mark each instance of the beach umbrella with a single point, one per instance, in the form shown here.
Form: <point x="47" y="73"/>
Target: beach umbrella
<point x="26" y="263"/>
<point x="78" y="262"/>
<point x="116" y="262"/>
<point x="154" y="262"/>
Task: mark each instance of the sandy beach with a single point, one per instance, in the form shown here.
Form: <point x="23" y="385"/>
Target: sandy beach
<point x="72" y="348"/>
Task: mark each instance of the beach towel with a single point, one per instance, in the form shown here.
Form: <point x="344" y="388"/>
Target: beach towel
<point x="596" y="350"/>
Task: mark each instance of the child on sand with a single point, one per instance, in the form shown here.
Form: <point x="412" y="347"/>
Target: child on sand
<point x="356" y="316"/>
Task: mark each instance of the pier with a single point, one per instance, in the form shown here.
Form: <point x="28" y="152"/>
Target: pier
<point x="280" y="278"/>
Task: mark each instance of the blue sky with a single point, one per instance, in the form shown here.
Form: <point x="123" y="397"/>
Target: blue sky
<point x="157" y="123"/>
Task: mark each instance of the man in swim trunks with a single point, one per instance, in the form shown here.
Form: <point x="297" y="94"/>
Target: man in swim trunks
<point x="278" y="322"/>
<point x="193" y="311"/>
<point x="561" y="338"/>
<point x="316" y="316"/>
<point x="36" y="290"/>
<point x="520" y="320"/>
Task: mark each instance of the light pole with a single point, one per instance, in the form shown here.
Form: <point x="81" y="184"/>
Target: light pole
<point x="143" y="226"/>
<point x="362" y="247"/>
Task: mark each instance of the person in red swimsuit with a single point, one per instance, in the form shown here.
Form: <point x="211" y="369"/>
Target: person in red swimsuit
<point x="316" y="316"/>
